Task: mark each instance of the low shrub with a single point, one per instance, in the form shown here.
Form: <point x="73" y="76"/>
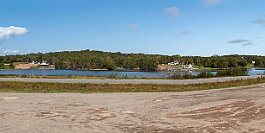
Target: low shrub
<point x="205" y="74"/>
<point x="181" y="76"/>
<point x="232" y="72"/>
<point x="112" y="76"/>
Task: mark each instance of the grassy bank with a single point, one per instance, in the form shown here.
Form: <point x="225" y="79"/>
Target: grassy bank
<point x="22" y="87"/>
<point x="206" y="68"/>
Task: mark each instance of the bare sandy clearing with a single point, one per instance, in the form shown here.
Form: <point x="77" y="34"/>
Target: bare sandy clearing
<point x="240" y="109"/>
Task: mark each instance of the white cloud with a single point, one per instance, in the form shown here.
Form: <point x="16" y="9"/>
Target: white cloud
<point x="6" y="32"/>
<point x="211" y="2"/>
<point x="133" y="26"/>
<point x="10" y="51"/>
<point x="172" y="11"/>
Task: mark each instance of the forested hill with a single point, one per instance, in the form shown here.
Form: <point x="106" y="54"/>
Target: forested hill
<point x="89" y="59"/>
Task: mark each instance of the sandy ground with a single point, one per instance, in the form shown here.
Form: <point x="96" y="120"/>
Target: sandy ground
<point x="132" y="81"/>
<point x="235" y="110"/>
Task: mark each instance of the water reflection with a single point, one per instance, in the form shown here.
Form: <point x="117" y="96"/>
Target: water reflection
<point x="107" y="73"/>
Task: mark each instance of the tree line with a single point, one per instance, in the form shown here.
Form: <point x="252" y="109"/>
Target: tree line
<point x="91" y="59"/>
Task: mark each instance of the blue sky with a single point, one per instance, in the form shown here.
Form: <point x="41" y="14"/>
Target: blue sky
<point x="185" y="27"/>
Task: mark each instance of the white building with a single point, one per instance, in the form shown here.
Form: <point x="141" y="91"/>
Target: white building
<point x="173" y="63"/>
<point x="44" y="63"/>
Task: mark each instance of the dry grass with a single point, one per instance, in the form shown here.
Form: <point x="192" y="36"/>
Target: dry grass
<point x="101" y="88"/>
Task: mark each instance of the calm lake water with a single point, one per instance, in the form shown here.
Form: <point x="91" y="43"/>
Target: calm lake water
<point x="103" y="73"/>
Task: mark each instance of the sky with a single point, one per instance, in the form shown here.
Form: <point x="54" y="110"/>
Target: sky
<point x="184" y="27"/>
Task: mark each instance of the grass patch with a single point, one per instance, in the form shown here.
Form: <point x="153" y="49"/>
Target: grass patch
<point x="22" y="87"/>
<point x="248" y="66"/>
<point x="206" y="68"/>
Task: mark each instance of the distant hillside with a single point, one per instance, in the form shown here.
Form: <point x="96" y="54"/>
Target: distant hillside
<point x="90" y="59"/>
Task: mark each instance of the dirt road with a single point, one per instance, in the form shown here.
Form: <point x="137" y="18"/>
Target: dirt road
<point x="235" y="110"/>
<point x="131" y="81"/>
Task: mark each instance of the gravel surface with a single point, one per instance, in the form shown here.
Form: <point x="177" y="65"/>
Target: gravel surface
<point x="129" y="81"/>
<point x="231" y="110"/>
